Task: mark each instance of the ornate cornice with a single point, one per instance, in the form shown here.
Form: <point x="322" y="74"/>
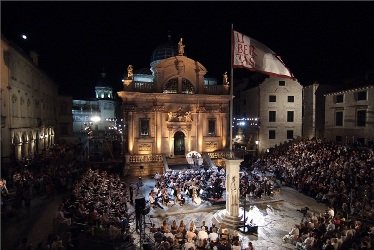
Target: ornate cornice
<point x="160" y="108"/>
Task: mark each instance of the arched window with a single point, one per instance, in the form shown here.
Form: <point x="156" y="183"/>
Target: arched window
<point x="171" y="86"/>
<point x="187" y="87"/>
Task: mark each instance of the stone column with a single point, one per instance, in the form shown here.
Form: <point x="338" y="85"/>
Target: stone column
<point x="158" y="124"/>
<point x="230" y="216"/>
<point x="232" y="187"/>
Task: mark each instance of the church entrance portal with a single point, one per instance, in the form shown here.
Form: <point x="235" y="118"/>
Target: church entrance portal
<point x="179" y="148"/>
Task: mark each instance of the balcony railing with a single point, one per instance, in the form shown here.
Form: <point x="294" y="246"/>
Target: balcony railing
<point x="145" y="158"/>
<point x="149" y="88"/>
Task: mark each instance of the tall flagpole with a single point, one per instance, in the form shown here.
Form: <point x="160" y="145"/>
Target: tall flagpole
<point x="232" y="86"/>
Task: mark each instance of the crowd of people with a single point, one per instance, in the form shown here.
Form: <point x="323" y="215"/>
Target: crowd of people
<point x="53" y="171"/>
<point x="98" y="205"/>
<point x="178" y="187"/>
<point x="330" y="231"/>
<point x="191" y="237"/>
<point x="338" y="175"/>
<point x="196" y="185"/>
<point x="48" y="174"/>
<point x="256" y="184"/>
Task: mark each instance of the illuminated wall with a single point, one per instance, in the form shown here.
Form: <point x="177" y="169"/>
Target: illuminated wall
<point x="28" y="98"/>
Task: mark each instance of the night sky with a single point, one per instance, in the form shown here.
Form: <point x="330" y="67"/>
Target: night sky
<point x="318" y="41"/>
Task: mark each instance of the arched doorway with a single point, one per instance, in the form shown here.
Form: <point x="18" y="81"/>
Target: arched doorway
<point x="179" y="148"/>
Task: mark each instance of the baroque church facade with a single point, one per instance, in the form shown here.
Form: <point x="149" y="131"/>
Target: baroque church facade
<point x="172" y="109"/>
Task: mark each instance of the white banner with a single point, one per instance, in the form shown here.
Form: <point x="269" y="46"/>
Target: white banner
<point x="251" y="54"/>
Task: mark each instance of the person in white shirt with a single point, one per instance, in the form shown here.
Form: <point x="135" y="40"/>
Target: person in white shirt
<point x="153" y="200"/>
<point x="189" y="245"/>
<point x="293" y="235"/>
<point x="213" y="236"/>
<point x="156" y="189"/>
<point x="169" y="234"/>
<point x="202" y="235"/>
<point x="331" y="212"/>
<point x="157" y="177"/>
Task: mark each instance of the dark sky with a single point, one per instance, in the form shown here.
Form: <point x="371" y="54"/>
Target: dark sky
<point x="318" y="41"/>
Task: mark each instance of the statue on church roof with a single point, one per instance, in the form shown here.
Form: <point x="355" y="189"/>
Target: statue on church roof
<point x="181" y="47"/>
<point x="130" y="72"/>
<point x="225" y="79"/>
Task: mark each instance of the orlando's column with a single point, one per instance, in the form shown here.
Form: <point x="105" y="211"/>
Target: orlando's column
<point x="230" y="216"/>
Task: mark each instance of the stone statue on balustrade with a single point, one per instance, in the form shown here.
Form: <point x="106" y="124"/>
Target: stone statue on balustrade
<point x="181" y="47"/>
<point x="130" y="73"/>
<point x="225" y="79"/>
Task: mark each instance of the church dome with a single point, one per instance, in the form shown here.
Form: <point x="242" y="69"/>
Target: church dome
<point x="164" y="51"/>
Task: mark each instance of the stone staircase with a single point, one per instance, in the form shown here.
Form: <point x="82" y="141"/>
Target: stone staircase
<point x="177" y="160"/>
<point x="178" y="163"/>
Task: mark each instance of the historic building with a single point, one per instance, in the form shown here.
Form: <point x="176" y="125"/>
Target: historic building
<point x="349" y="115"/>
<point x="172" y="109"/>
<point x="28" y="105"/>
<point x="97" y="113"/>
<point x="270" y="111"/>
<point x="95" y="122"/>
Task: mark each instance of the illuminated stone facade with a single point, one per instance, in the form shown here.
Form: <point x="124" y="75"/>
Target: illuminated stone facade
<point x="277" y="104"/>
<point x="28" y="105"/>
<point x="99" y="113"/>
<point x="172" y="110"/>
<point x="349" y="116"/>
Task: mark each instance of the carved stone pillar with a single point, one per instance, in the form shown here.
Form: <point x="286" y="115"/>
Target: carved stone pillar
<point x="230" y="216"/>
<point x="189" y="127"/>
<point x="171" y="142"/>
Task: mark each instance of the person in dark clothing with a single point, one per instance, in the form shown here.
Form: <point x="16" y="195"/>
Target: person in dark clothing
<point x="131" y="189"/>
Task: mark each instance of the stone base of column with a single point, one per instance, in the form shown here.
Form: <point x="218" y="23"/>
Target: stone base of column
<point x="232" y="222"/>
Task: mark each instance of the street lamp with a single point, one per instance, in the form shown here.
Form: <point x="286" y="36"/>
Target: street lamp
<point x="95" y="118"/>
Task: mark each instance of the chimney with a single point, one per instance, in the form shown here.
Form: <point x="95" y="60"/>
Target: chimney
<point x="34" y="57"/>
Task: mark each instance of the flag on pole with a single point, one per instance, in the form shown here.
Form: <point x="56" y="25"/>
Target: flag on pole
<point x="253" y="55"/>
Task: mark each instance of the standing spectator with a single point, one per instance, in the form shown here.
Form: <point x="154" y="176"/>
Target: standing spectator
<point x="131" y="190"/>
<point x="213" y="236"/>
